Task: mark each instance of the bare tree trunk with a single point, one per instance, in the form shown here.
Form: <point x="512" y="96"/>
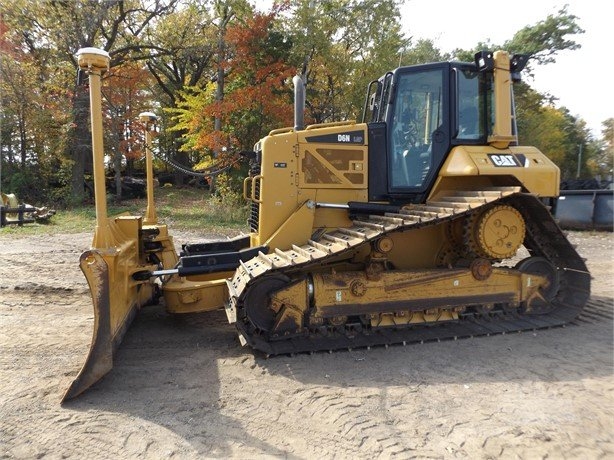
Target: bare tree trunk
<point x="219" y="90"/>
<point x="117" y="166"/>
<point x="183" y="159"/>
<point x="80" y="143"/>
<point x="23" y="148"/>
<point x="118" y="136"/>
<point x="219" y="97"/>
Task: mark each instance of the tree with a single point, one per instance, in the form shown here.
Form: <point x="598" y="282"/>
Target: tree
<point x="186" y="41"/>
<point x="543" y="41"/>
<point x="256" y="99"/>
<point x="226" y="11"/>
<point x="53" y="31"/>
<point x="603" y="161"/>
<point x="127" y="93"/>
<point x="423" y="51"/>
<point x="32" y="119"/>
<point x="339" y="46"/>
<point x="259" y="94"/>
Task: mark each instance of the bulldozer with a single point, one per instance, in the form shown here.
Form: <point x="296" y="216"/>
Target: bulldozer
<point x="424" y="221"/>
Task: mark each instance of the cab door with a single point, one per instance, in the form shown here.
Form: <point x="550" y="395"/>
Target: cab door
<point x="418" y="128"/>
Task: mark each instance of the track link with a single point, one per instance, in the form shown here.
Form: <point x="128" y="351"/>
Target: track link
<point x="544" y="239"/>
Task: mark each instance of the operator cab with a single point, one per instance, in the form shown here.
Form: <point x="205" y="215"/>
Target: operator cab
<point x="416" y="115"/>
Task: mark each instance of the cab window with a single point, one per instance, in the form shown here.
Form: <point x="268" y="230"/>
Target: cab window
<point x="470" y="125"/>
<point x="417" y="114"/>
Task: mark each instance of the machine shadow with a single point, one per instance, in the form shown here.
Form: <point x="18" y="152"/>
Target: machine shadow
<point x="181" y="372"/>
<point x="166" y="372"/>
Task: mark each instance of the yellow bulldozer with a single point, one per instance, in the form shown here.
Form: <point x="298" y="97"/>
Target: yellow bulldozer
<point x="425" y="221"/>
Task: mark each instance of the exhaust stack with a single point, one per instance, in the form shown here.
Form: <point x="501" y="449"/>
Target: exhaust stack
<point x="299" y="103"/>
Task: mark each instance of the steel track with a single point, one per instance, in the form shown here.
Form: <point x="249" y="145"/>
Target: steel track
<point x="543" y="238"/>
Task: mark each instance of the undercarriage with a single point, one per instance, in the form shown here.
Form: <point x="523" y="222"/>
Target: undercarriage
<point x="347" y="289"/>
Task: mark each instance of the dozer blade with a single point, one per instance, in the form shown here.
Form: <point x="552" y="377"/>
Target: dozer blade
<point x="100" y="356"/>
<point x="111" y="320"/>
<point x="123" y="251"/>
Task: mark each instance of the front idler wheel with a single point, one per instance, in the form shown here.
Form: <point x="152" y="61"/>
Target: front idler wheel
<point x="539" y="266"/>
<point x="257" y="304"/>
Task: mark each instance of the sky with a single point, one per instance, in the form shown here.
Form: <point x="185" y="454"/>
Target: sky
<point x="582" y="80"/>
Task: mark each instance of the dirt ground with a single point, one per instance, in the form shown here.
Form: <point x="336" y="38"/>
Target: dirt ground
<point x="184" y="388"/>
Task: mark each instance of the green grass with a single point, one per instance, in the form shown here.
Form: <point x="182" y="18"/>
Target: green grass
<point x="179" y="208"/>
<point x="194" y="209"/>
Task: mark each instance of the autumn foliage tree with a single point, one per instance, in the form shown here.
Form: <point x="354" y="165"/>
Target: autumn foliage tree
<point x="32" y="121"/>
<point x="53" y="31"/>
<point x="257" y="93"/>
<point x="127" y="93"/>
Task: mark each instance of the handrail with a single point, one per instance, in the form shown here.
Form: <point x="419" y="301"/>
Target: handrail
<point x="331" y="124"/>
<point x="280" y="131"/>
<point x="246" y="181"/>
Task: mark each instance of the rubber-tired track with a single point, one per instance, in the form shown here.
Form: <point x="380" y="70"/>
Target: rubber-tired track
<point x="543" y="238"/>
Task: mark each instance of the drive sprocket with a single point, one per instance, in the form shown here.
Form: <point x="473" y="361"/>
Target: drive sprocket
<point x="497" y="233"/>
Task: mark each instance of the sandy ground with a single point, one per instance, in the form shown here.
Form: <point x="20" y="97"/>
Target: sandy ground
<point x="184" y="388"/>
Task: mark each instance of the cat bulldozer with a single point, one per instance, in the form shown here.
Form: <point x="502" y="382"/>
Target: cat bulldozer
<point x="424" y="221"/>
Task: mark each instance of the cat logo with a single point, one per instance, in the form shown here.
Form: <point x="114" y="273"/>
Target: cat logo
<point x="504" y="161"/>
